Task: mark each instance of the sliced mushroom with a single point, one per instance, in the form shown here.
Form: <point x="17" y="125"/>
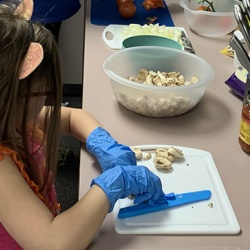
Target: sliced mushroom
<point x="170" y="157"/>
<point x="170" y="81"/>
<point x="157" y="81"/>
<point x="138" y="153"/>
<point x="178" y="82"/>
<point x="142" y="76"/>
<point x="181" y="79"/>
<point x="162" y="163"/>
<point x="149" y="79"/>
<point x="147" y="156"/>
<point x="174" y="74"/>
<point x="176" y="152"/>
<point x="151" y="72"/>
<point x="161" y="152"/>
<point x="131" y="78"/>
<point x="161" y="78"/>
<point x="194" y="79"/>
<point x="138" y="80"/>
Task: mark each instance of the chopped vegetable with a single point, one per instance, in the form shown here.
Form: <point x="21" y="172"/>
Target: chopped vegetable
<point x="153" y="4"/>
<point x="152" y="29"/>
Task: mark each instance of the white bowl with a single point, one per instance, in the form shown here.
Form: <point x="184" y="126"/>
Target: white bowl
<point x="157" y="101"/>
<point x="212" y="24"/>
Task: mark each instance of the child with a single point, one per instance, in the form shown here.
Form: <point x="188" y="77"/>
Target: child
<point x="29" y="134"/>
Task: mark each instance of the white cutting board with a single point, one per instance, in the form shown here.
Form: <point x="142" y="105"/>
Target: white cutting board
<point x="112" y="35"/>
<point x="197" y="171"/>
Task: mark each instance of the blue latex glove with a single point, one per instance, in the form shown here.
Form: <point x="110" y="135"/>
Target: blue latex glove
<point x="122" y="181"/>
<point x="107" y="151"/>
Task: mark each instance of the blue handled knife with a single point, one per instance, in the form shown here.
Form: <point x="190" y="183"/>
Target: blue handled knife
<point x="174" y="201"/>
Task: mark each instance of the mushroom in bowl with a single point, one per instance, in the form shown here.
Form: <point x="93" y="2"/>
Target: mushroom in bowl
<point x="157" y="100"/>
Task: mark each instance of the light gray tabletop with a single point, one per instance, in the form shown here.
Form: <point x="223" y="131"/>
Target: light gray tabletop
<point x="212" y="126"/>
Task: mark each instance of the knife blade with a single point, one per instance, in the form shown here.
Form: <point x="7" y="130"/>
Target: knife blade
<point x="180" y="199"/>
<point x="186" y="42"/>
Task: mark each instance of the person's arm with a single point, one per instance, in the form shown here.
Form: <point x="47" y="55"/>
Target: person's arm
<point x="85" y="128"/>
<point x="78" y="123"/>
<point x="31" y="223"/>
<point x="33" y="226"/>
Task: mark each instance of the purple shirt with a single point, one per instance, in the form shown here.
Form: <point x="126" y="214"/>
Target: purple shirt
<point x="6" y="241"/>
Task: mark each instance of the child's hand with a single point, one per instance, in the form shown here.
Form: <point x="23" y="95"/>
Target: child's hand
<point x="122" y="181"/>
<point x="108" y="152"/>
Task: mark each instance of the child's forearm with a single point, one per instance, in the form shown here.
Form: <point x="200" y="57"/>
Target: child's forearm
<point x="78" y="123"/>
<point x="83" y="220"/>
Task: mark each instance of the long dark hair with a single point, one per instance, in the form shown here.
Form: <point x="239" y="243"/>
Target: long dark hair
<point x="16" y="35"/>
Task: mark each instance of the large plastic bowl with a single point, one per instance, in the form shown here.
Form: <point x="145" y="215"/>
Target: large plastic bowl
<point x="212" y="24"/>
<point x="157" y="101"/>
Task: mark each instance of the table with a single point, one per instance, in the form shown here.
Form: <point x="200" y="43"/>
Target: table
<point x="212" y="126"/>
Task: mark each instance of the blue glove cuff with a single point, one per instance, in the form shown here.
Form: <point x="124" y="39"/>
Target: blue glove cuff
<point x="95" y="139"/>
<point x="112" y="198"/>
<point x="122" y="181"/>
<point x="114" y="185"/>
